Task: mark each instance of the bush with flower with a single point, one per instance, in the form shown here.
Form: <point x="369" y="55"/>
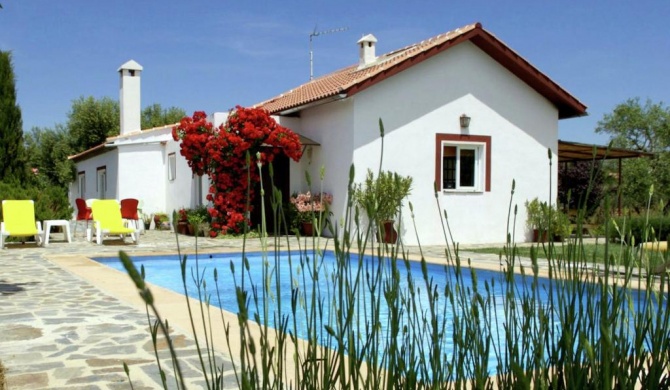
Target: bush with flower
<point x="308" y="206"/>
<point x="228" y="155"/>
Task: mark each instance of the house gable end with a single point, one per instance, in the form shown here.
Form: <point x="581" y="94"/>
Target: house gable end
<point x="348" y="81"/>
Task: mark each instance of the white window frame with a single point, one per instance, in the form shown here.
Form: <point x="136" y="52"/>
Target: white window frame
<point x="172" y="166"/>
<point x="101" y="182"/>
<point x="81" y="184"/>
<point x="479" y="169"/>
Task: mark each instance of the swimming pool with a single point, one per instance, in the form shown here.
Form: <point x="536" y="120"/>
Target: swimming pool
<point x="292" y="284"/>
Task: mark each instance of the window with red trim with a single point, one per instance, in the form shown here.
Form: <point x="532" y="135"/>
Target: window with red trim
<point x="463" y="162"/>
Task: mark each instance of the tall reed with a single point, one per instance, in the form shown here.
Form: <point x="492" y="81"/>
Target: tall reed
<point x="373" y="319"/>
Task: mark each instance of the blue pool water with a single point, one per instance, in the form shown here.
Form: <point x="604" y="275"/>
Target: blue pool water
<point x="165" y="271"/>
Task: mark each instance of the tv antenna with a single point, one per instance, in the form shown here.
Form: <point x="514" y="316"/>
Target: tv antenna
<point x="311" y="53"/>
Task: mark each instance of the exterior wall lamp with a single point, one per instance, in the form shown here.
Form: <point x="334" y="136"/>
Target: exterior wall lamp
<point x="465" y="121"/>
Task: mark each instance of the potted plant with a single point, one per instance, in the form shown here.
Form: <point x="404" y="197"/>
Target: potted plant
<point x="161" y="221"/>
<point x="310" y="206"/>
<point x="198" y="220"/>
<point x="146" y="219"/>
<point x="561" y="225"/>
<point x="537" y="219"/>
<point x="381" y="199"/>
<point x="182" y="221"/>
<point x="545" y="221"/>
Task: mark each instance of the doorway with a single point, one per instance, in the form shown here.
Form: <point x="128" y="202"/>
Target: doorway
<point x="281" y="180"/>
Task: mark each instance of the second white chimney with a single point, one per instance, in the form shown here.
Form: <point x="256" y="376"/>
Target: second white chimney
<point x="129" y="99"/>
<point x="367" y="50"/>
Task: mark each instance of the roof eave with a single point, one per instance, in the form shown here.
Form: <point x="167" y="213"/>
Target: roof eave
<point x="314" y="103"/>
<point x="568" y="106"/>
<point x="91" y="152"/>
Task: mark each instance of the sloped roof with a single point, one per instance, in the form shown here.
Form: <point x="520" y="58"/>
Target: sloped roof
<point x="351" y="80"/>
<point x="111" y="142"/>
<point x="573" y="151"/>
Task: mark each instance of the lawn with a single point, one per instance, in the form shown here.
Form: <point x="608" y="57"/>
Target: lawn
<point x="590" y="252"/>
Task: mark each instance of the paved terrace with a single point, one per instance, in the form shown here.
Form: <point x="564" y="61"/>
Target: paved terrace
<point x="67" y="322"/>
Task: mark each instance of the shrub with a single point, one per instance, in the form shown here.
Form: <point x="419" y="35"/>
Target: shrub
<point x="636" y="229"/>
<point x="581" y="184"/>
<point x="540" y="216"/>
<point x="382" y="197"/>
<point x="51" y="202"/>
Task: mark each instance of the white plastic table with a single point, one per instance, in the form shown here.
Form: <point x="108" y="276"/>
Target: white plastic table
<point x="56" y="222"/>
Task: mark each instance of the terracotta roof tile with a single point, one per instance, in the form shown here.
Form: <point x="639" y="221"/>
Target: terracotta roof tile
<point x="351" y="80"/>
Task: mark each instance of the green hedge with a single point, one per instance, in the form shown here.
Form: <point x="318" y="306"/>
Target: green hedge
<point x="51" y="202"/>
<point x="636" y="227"/>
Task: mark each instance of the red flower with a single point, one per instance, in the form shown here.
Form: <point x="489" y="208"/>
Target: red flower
<point x="221" y="154"/>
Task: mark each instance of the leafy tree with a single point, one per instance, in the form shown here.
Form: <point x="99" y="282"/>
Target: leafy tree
<point x="91" y="121"/>
<point x="155" y="116"/>
<point x="646" y="128"/>
<point x="12" y="162"/>
<point x="632" y="125"/>
<point x="48" y="150"/>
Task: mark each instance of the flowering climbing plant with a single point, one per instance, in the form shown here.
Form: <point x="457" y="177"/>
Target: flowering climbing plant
<point x="221" y="152"/>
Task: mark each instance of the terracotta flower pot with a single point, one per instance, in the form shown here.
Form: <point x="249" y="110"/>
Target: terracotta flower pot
<point x="182" y="227"/>
<point x="307" y="228"/>
<point x="388" y="234"/>
<point x="537" y="237"/>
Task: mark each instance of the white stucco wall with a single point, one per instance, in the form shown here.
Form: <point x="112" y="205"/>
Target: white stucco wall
<point x="330" y="125"/>
<point x="143" y="175"/>
<point x="137" y="168"/>
<point x="108" y="160"/>
<point x="183" y="191"/>
<point x="427" y="99"/>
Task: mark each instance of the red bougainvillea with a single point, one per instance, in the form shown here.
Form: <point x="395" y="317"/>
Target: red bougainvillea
<point x="221" y="153"/>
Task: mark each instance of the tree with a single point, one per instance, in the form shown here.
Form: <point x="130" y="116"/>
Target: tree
<point x="155" y="116"/>
<point x="577" y="179"/>
<point x="48" y="151"/>
<point x="631" y="125"/>
<point x="12" y="163"/>
<point x="91" y="121"/>
<point x="645" y="128"/>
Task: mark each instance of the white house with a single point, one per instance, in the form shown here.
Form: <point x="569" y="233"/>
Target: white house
<point x="145" y="165"/>
<point x="421" y="92"/>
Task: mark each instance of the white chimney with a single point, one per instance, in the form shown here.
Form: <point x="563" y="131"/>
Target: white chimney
<point x="367" y="50"/>
<point x="130" y="97"/>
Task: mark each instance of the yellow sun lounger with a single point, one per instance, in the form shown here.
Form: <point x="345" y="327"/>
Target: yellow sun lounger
<point x="659" y="246"/>
<point x="19" y="221"/>
<point x="107" y="220"/>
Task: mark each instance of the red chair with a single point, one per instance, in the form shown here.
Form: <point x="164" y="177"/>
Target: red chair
<point x="129" y="211"/>
<point x="84" y="213"/>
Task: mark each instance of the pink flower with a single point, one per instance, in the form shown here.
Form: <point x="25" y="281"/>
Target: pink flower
<point x="306" y="202"/>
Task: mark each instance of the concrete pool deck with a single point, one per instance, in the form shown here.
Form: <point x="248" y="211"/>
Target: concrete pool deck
<point x="68" y="322"/>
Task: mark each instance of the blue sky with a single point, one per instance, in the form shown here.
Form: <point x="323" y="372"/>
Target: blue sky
<point x="212" y="55"/>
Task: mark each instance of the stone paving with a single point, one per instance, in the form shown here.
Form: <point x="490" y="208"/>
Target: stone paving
<point x="58" y="331"/>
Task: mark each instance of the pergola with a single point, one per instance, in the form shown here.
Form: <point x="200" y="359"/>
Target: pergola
<point x="573" y="151"/>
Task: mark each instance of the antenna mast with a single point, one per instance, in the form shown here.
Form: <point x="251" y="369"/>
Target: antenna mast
<point x="311" y="53"/>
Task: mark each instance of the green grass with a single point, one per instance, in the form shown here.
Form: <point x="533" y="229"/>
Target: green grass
<point x="594" y="253"/>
